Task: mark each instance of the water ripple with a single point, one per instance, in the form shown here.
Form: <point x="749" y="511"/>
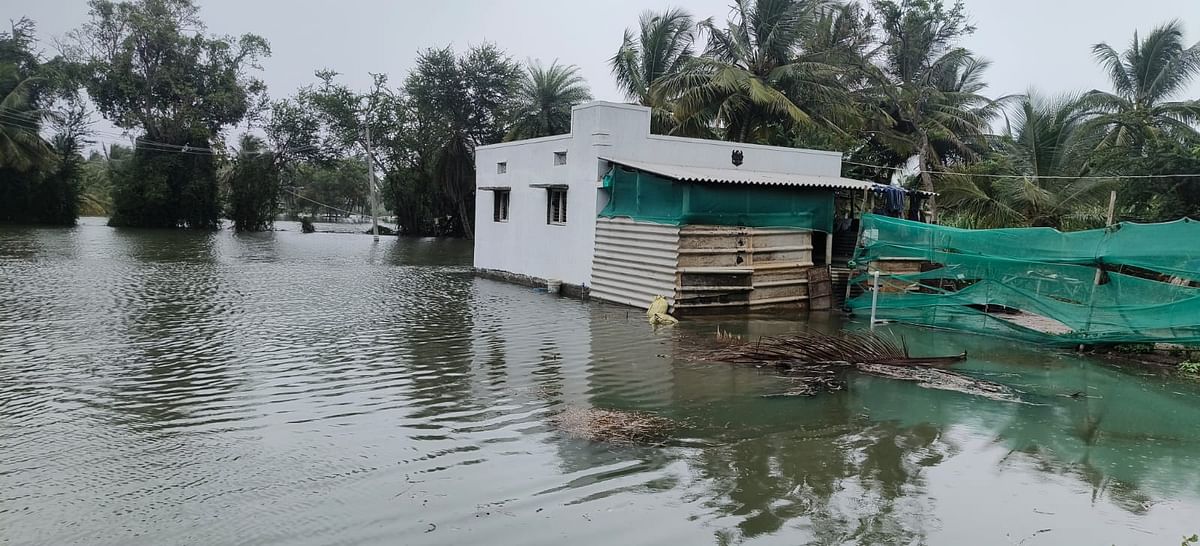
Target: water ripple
<point x="173" y="387"/>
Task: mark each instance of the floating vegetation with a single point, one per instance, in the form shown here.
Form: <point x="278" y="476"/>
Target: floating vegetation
<point x="814" y="348"/>
<point x="613" y="426"/>
<point x="817" y="363"/>
<point x="932" y="378"/>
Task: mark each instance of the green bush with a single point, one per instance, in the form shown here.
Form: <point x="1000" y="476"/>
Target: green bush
<point x="253" y="187"/>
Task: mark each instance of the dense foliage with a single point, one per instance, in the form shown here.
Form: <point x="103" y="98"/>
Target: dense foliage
<point x="889" y="84"/>
<point x="38" y="175"/>
<point x="886" y="82"/>
<point x="149" y="66"/>
<point x="253" y="187"/>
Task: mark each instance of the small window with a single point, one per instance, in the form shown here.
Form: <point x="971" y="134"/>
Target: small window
<point x="501" y="167"/>
<point x="556" y="206"/>
<point x="500" y="205"/>
<point x="560" y="158"/>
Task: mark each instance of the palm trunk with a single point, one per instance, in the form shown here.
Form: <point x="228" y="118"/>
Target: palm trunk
<point x="926" y="179"/>
<point x="464" y="214"/>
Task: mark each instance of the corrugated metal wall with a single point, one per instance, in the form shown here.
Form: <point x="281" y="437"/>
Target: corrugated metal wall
<point x="634" y="261"/>
<point x="701" y="268"/>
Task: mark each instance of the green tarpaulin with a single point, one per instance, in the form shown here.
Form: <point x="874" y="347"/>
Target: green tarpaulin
<point x="650" y="198"/>
<point x="1039" y="283"/>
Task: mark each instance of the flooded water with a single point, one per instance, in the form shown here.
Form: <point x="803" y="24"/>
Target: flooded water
<point x="280" y="388"/>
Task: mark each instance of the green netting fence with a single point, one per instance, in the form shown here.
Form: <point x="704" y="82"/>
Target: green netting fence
<point x="649" y="198"/>
<point x="1037" y="284"/>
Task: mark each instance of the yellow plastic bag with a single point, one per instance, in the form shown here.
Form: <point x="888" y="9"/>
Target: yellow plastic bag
<point x="657" y="307"/>
<point x="657" y="313"/>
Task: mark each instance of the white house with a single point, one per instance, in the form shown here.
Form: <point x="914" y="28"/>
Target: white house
<point x="627" y="215"/>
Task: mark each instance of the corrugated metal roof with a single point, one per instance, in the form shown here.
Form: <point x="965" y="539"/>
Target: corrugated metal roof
<point x="742" y="176"/>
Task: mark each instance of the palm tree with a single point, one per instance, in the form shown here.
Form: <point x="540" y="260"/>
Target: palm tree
<point x="1035" y="174"/>
<point x="1144" y="77"/>
<point x="743" y="80"/>
<point x="661" y="48"/>
<point x="927" y="90"/>
<point x="544" y="100"/>
<point x="21" y="146"/>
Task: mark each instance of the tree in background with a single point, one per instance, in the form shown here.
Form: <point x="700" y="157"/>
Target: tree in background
<point x="459" y="103"/>
<point x="150" y="67"/>
<point x="1170" y="197"/>
<point x="21" y="96"/>
<point x="1037" y="173"/>
<point x="544" y="99"/>
<point x="95" y="187"/>
<point x="1143" y="131"/>
<point x="1144" y="78"/>
<point x="339" y="183"/>
<point x="662" y="47"/>
<point x="926" y="89"/>
<point x="253" y="186"/>
<point x="38" y="177"/>
<point x="320" y="137"/>
<point x="741" y="80"/>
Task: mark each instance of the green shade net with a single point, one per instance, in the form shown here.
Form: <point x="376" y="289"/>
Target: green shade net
<point x="1039" y="284"/>
<point x="650" y="198"/>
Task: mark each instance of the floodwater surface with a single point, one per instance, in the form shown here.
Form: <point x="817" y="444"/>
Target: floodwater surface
<point x="285" y="388"/>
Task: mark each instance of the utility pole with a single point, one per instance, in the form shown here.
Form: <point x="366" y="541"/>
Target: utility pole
<point x="371" y="181"/>
<point x="1112" y="211"/>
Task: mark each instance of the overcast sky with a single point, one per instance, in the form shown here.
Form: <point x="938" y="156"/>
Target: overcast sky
<point x="1043" y="44"/>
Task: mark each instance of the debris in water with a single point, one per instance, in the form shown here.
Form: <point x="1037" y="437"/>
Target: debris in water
<point x="657" y="313"/>
<point x="814" y="348"/>
<point x="613" y="426"/>
<point x="818" y="362"/>
<point x="931" y="378"/>
<point x="724" y="336"/>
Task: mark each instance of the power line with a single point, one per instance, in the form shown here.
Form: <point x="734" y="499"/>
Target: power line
<point x="317" y="202"/>
<point x="150" y="144"/>
<point x="1049" y="177"/>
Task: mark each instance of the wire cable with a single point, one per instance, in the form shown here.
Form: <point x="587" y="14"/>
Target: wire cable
<point x="317" y="202"/>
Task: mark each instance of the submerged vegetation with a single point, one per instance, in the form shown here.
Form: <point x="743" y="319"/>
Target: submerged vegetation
<point x="888" y="83"/>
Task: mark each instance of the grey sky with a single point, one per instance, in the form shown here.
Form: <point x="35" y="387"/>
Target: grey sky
<point x="1040" y="43"/>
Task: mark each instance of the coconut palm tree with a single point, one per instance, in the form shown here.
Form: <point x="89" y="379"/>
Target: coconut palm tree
<point x="926" y="91"/>
<point x="21" y="146"/>
<point x="662" y="47"/>
<point x="1035" y="174"/>
<point x="742" y="81"/>
<point x="544" y="99"/>
<point x="1144" y="77"/>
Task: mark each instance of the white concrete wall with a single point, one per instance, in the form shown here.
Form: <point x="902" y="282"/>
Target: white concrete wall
<point x="527" y="245"/>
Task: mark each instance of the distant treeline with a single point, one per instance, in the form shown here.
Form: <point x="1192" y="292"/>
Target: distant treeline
<point x="886" y="83"/>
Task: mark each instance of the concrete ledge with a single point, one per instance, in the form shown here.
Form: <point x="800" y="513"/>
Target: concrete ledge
<point x="569" y="290"/>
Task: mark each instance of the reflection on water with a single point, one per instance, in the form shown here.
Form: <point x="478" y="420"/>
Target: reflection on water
<point x="168" y="387"/>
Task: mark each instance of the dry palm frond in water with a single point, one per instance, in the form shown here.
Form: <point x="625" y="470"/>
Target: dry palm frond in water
<point x="613" y="426"/>
<point x="817" y="362"/>
<point x="809" y="348"/>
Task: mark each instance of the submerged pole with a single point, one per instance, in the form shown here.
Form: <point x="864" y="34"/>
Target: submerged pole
<point x="1112" y="209"/>
<point x="874" y="297"/>
<point x="371" y="181"/>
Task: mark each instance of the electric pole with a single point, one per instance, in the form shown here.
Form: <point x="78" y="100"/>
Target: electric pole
<point x="371" y="181"/>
